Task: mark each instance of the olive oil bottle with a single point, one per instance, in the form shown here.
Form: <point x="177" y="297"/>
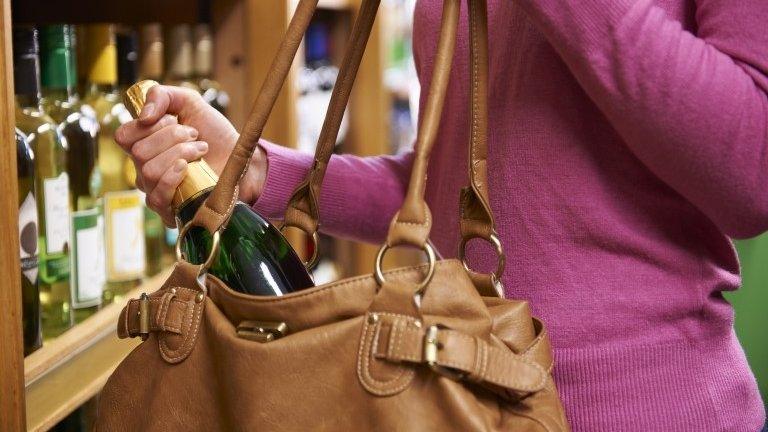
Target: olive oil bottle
<point x="254" y="257"/>
<point x="77" y="123"/>
<point x="51" y="184"/>
<point x="122" y="202"/>
<point x="30" y="292"/>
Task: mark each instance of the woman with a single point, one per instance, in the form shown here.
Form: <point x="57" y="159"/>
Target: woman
<point x="628" y="141"/>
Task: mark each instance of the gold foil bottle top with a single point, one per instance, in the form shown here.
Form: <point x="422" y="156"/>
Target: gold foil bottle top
<point x="179" y="48"/>
<point x="151" y="51"/>
<point x="200" y="177"/>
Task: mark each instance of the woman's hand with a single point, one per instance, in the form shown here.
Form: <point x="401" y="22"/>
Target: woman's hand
<point x="175" y="127"/>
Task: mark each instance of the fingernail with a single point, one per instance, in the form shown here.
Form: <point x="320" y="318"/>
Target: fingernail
<point x="179" y="165"/>
<point x="192" y="132"/>
<point x="202" y="146"/>
<point x="147" y="111"/>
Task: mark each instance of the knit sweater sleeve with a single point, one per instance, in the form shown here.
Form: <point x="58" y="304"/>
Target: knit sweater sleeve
<point x="692" y="107"/>
<point x="359" y="194"/>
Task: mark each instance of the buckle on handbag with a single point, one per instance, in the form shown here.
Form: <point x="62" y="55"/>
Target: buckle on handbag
<point x="261" y="331"/>
<point x="431" y="347"/>
<point x="144" y="316"/>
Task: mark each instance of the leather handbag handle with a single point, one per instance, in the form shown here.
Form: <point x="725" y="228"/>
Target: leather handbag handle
<point x="214" y="214"/>
<point x="412" y="222"/>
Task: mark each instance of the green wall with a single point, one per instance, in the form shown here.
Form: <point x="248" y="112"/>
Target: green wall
<point x="751" y="305"/>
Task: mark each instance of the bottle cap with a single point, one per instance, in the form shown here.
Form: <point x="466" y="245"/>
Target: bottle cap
<point x="151" y="52"/>
<point x="200" y="177"/>
<point x="127" y="58"/>
<point x="26" y="64"/>
<point x="101" y="54"/>
<point x="179" y="59"/>
<point x="57" y="63"/>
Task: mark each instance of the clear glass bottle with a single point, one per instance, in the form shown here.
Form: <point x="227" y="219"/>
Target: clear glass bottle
<point x="77" y="123"/>
<point x="203" y="69"/>
<point x="123" y="205"/>
<point x="179" y="59"/>
<point x="51" y="184"/>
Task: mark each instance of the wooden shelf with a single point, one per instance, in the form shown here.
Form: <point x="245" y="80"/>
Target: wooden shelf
<point x="72" y="368"/>
<point x="335" y="4"/>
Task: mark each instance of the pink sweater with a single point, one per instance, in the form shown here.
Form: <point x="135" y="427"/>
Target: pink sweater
<point x="628" y="140"/>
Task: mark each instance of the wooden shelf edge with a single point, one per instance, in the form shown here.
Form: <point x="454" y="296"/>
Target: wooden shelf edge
<point x="74" y="367"/>
<point x="335" y="4"/>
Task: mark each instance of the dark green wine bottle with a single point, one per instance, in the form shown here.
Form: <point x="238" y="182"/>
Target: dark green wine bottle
<point x="77" y="123"/>
<point x="30" y="293"/>
<point x="254" y="257"/>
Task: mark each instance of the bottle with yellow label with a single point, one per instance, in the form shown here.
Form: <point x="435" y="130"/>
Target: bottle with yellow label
<point x="123" y="205"/>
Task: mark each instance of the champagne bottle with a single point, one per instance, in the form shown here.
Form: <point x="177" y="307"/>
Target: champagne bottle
<point x="179" y="57"/>
<point x="77" y="123"/>
<point x="30" y="293"/>
<point x="254" y="257"/>
<point x="123" y="207"/>
<point x="127" y="74"/>
<point x="51" y="184"/>
<point x="203" y="69"/>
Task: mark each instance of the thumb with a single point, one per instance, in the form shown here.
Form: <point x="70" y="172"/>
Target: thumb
<point x="162" y="99"/>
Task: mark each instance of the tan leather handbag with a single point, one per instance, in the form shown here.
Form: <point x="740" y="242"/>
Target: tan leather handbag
<point x="428" y="348"/>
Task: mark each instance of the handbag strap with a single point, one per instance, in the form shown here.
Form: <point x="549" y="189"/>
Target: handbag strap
<point x="413" y="222"/>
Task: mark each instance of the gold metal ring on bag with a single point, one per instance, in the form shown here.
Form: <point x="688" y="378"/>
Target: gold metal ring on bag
<point x="493" y="239"/>
<point x="431" y="259"/>
<point x="315" y="246"/>
<point x="214" y="247"/>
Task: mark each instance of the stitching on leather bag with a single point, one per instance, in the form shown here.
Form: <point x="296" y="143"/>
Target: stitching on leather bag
<point x="187" y="343"/>
<point x="473" y="25"/>
<point x="163" y="312"/>
<point x="251" y="299"/>
<point x="363" y="364"/>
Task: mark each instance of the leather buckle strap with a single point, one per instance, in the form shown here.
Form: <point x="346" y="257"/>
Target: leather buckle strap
<point x="459" y="356"/>
<point x="161" y="312"/>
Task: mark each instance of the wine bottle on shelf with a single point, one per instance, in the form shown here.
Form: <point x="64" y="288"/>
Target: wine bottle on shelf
<point x="127" y="74"/>
<point x="179" y="57"/>
<point x="51" y="184"/>
<point x="122" y="202"/>
<point x="30" y="292"/>
<point x="254" y="257"/>
<point x="203" y="69"/>
<point x="78" y="125"/>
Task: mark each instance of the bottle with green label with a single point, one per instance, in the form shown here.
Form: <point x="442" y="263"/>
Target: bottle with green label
<point x="30" y="292"/>
<point x="122" y="203"/>
<point x="77" y="123"/>
<point x="51" y="184"/>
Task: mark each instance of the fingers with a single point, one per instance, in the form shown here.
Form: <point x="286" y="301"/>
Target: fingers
<point x="153" y="145"/>
<point x="162" y="100"/>
<point x="159" y="199"/>
<point x="133" y="131"/>
<point x="153" y="170"/>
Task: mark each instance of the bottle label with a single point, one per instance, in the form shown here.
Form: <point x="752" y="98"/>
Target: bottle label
<point x="88" y="272"/>
<point x="56" y="206"/>
<point x="28" y="238"/>
<point x="124" y="218"/>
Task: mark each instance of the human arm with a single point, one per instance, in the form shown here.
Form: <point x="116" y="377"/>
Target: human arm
<point x="692" y="108"/>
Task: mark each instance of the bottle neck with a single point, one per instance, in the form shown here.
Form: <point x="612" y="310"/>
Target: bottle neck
<point x="187" y="210"/>
<point x="67" y="94"/>
<point x="28" y="101"/>
<point x="26" y="75"/>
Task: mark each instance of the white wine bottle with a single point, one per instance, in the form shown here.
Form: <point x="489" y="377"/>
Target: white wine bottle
<point x="123" y="205"/>
<point x="51" y="184"/>
<point x="179" y="59"/>
<point x="77" y="122"/>
<point x="30" y="292"/>
<point x="203" y="69"/>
